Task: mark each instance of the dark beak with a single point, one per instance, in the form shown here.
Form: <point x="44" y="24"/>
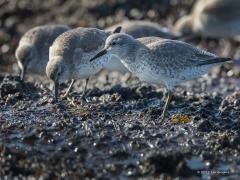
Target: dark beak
<point x="101" y="53"/>
<point x="56" y="88"/>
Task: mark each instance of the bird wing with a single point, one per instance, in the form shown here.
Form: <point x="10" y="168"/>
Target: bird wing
<point x="148" y="40"/>
<point x="139" y="29"/>
<point x="90" y="39"/>
<point x="77" y="56"/>
<point x="179" y="54"/>
<point x="86" y="39"/>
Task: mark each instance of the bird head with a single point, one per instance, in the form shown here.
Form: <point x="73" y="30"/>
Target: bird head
<point x="58" y="72"/>
<point x="117" y="44"/>
<point x="25" y="54"/>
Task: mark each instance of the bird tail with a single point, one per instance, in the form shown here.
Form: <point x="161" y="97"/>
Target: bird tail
<point x="214" y="61"/>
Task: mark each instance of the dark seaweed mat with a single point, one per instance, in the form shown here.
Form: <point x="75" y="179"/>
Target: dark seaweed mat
<point x="116" y="132"/>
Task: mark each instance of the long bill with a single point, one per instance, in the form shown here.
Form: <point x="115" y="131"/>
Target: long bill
<point x="56" y="89"/>
<point x="101" y="53"/>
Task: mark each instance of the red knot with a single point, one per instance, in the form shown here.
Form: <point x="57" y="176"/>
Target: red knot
<point x="33" y="48"/>
<point x="160" y="61"/>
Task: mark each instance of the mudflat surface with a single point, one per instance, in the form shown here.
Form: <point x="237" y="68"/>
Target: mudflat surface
<point x="115" y="130"/>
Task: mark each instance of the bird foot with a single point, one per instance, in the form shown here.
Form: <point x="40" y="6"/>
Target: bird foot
<point x="82" y="96"/>
<point x="65" y="95"/>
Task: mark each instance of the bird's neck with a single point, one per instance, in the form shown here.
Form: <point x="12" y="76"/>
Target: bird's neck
<point x="132" y="51"/>
<point x="133" y="56"/>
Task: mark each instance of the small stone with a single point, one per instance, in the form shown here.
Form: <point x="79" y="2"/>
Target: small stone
<point x="205" y="126"/>
<point x="237" y="102"/>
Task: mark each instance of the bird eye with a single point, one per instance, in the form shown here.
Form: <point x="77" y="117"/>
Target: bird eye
<point x="58" y="73"/>
<point x="113" y="43"/>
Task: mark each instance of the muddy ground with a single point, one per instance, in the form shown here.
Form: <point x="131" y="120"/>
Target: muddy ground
<point x="115" y="131"/>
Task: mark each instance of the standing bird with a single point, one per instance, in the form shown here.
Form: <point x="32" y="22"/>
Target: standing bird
<point x="70" y="53"/>
<point x="213" y="19"/>
<point x="139" y="29"/>
<point x="33" y="48"/>
<point x="160" y="61"/>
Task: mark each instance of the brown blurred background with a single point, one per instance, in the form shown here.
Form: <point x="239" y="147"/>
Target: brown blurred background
<point x="17" y="16"/>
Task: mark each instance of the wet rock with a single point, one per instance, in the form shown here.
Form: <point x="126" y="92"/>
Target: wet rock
<point x="160" y="163"/>
<point x="12" y="85"/>
<point x="205" y="126"/>
<point x="237" y="102"/>
<point x="235" y="142"/>
<point x="223" y="141"/>
<point x="119" y="154"/>
<point x="31" y="139"/>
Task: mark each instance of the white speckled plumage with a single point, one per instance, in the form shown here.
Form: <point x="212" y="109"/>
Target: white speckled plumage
<point x="161" y="61"/>
<point x="33" y="49"/>
<point x="139" y="29"/>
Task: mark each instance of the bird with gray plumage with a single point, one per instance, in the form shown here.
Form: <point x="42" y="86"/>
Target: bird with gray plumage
<point x="70" y="53"/>
<point x="139" y="29"/>
<point x="33" y="48"/>
<point x="212" y="18"/>
<point x="160" y="61"/>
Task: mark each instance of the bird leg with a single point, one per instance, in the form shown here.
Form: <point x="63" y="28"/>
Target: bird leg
<point x="69" y="88"/>
<point x="56" y="90"/>
<point x="169" y="97"/>
<point x="128" y="76"/>
<point x="107" y="79"/>
<point x="85" y="88"/>
<point x="164" y="95"/>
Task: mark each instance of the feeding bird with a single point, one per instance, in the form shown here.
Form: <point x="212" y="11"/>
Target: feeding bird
<point x="33" y="48"/>
<point x="70" y="53"/>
